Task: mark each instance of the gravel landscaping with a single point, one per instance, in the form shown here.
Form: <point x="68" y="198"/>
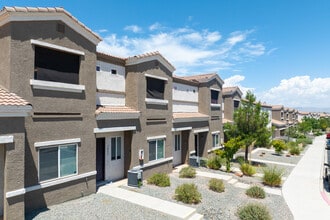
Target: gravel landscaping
<point x="217" y="205"/>
<point x="213" y="205"/>
<point x="96" y="206"/>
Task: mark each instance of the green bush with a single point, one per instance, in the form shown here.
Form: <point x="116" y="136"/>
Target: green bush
<point x="304" y="141"/>
<point x="272" y="176"/>
<point x="294" y="150"/>
<point x="203" y="162"/>
<point x="256" y="192"/>
<point x="254" y="211"/>
<point x="188" y="193"/>
<point x="214" y="162"/>
<point x="216" y="185"/>
<point x="247" y="169"/>
<point x="187" y="172"/>
<point x="159" y="179"/>
<point x="279" y="146"/>
<point x="240" y="159"/>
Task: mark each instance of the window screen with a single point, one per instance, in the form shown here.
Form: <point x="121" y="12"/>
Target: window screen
<point x="155" y="88"/>
<point x="56" y="66"/>
<point x="214" y="97"/>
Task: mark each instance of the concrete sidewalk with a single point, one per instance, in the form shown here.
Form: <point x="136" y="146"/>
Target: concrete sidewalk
<point x="303" y="190"/>
<point x="175" y="210"/>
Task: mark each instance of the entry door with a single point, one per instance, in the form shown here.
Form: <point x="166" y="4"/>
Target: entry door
<point x="114" y="158"/>
<point x="177" y="149"/>
<point x="100" y="158"/>
<point x="196" y="144"/>
<point x="2" y="167"/>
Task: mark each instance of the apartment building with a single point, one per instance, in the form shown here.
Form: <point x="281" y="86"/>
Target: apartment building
<point x="231" y="97"/>
<point x="48" y="57"/>
<point x="95" y="116"/>
<point x="197" y="116"/>
<point x="13" y="110"/>
<point x="134" y="115"/>
<point x="279" y="120"/>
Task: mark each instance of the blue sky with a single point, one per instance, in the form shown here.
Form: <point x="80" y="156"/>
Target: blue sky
<point x="278" y="49"/>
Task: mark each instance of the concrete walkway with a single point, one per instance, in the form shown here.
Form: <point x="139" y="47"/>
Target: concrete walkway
<point x="303" y="190"/>
<point x="173" y="209"/>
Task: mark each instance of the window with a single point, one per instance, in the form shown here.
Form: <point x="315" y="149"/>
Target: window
<point x="56" y="66"/>
<point x="115" y="148"/>
<point x="113" y="71"/>
<point x="236" y="104"/>
<point x="58" y="161"/>
<point x="214" y="96"/>
<point x="155" y="88"/>
<point x="215" y="140"/>
<point x="156" y="149"/>
<point x="98" y="68"/>
<point x="177" y="142"/>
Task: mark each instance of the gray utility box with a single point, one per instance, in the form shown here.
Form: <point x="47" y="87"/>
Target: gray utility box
<point x="134" y="178"/>
<point x="194" y="161"/>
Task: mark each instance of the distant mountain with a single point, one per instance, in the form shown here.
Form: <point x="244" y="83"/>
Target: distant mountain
<point x="313" y="109"/>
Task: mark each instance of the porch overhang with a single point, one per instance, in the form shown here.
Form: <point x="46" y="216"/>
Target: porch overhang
<point x="114" y="129"/>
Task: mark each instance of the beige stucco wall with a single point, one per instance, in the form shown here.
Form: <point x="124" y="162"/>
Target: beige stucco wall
<point x="48" y="128"/>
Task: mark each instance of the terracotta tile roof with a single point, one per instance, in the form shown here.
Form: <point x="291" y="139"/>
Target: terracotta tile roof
<point x="11" y="99"/>
<point x="231" y="90"/>
<point x="278" y="123"/>
<point x="155" y="54"/>
<point x="200" y="77"/>
<point x="115" y="109"/>
<point x="277" y="107"/>
<point x="189" y="115"/>
<point x="48" y="10"/>
<point x="224" y="120"/>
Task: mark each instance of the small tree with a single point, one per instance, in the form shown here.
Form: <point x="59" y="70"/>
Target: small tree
<point x="250" y="122"/>
<point x="231" y="147"/>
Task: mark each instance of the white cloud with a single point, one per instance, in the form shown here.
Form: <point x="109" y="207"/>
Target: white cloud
<point x="300" y="91"/>
<point x="133" y="28"/>
<point x="191" y="51"/>
<point x="155" y="26"/>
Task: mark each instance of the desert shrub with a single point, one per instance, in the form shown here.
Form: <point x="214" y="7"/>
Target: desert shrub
<point x="279" y="146"/>
<point x="272" y="176"/>
<point x="247" y="169"/>
<point x="214" y="162"/>
<point x="203" y="162"/>
<point x="188" y="193"/>
<point x="240" y="159"/>
<point x="187" y="172"/>
<point x="216" y="185"/>
<point x="254" y="211"/>
<point x="159" y="179"/>
<point x="256" y="192"/>
<point x="294" y="150"/>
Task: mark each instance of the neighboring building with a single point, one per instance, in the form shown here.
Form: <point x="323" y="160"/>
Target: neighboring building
<point x="134" y="115"/>
<point x="13" y="110"/>
<point x="279" y="120"/>
<point x="48" y="57"/>
<point x="197" y="115"/>
<point x="231" y="97"/>
<point x="302" y="115"/>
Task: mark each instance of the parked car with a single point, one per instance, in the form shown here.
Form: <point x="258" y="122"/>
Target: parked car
<point x="328" y="144"/>
<point x="328" y="135"/>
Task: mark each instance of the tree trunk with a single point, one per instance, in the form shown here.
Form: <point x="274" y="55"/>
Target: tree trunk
<point x="246" y="154"/>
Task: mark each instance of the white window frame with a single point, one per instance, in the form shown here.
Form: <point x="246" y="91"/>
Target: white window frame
<point x="121" y="144"/>
<point x="214" y="135"/>
<point x="58" y="161"/>
<point x="156" y="140"/>
<point x="177" y="142"/>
